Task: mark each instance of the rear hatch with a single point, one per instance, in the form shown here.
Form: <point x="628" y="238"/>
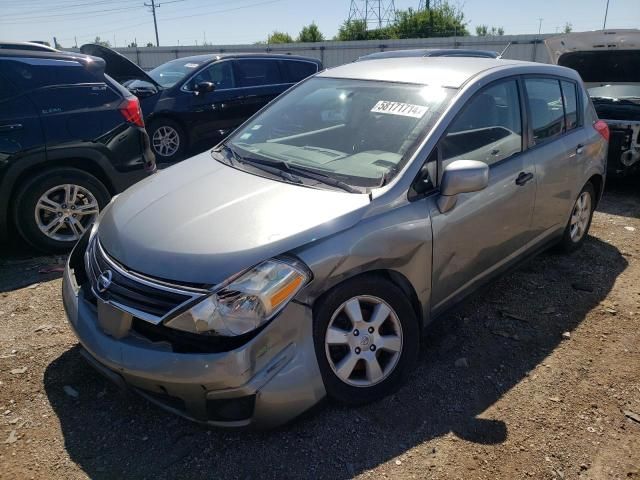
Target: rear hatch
<point x="119" y="67"/>
<point x="603" y="57"/>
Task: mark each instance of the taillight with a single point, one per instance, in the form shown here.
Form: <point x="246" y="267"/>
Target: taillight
<point x="131" y="112"/>
<point x="602" y="128"/>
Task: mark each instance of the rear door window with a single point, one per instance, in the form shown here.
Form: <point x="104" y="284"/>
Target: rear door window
<point x="257" y="72"/>
<point x="545" y="107"/>
<point x="489" y="127"/>
<point x="570" y="105"/>
<point x="295" y="71"/>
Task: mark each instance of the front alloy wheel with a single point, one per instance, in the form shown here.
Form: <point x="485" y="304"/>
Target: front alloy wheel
<point x="364" y="341"/>
<point x="366" y="338"/>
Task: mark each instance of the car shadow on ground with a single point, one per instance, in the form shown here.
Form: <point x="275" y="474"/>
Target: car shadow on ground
<point x="502" y="333"/>
<point x="622" y="197"/>
<point x="21" y="265"/>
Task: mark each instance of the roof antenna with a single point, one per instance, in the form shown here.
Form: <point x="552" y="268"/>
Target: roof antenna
<point x="505" y="49"/>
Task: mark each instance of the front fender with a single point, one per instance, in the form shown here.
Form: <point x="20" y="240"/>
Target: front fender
<point x="397" y="240"/>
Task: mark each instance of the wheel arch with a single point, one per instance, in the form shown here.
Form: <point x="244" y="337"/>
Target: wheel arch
<point x="597" y="181"/>
<point x="393" y="276"/>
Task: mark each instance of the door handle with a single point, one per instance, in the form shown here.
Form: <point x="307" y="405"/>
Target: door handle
<point x="11" y="127"/>
<point x="579" y="149"/>
<point x="523" y="178"/>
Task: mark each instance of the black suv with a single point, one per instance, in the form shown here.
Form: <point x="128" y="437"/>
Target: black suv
<point x="70" y="138"/>
<point x="194" y="102"/>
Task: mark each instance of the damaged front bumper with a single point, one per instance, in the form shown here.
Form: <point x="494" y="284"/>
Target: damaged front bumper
<point x="267" y="381"/>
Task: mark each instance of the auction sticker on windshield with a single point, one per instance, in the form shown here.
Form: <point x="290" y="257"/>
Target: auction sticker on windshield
<point x="399" y="108"/>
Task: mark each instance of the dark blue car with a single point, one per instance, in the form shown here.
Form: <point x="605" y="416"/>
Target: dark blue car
<point x="194" y="102"/>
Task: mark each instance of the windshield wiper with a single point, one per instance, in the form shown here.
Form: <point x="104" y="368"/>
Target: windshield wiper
<point x="274" y="170"/>
<point x="286" y="167"/>
<point x="287" y="171"/>
<point x="320" y="177"/>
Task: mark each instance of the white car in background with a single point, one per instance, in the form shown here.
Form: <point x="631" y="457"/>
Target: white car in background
<point x="609" y="63"/>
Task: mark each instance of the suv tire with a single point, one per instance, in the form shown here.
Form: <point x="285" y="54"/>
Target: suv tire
<point x="65" y="199"/>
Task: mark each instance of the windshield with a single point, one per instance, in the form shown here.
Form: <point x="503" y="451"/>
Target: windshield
<point x="615" y="91"/>
<point x="359" y="132"/>
<point x="170" y="73"/>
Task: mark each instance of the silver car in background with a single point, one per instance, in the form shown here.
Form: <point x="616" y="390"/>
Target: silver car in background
<point x="307" y="254"/>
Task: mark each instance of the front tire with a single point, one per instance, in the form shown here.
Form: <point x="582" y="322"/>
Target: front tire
<point x="366" y="338"/>
<point x="55" y="208"/>
<point x="168" y="140"/>
<point x="579" y="222"/>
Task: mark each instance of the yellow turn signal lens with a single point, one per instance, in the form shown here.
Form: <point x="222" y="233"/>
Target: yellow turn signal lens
<point x="285" y="292"/>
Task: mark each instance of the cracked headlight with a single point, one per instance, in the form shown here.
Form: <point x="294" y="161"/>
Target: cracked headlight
<point x="247" y="302"/>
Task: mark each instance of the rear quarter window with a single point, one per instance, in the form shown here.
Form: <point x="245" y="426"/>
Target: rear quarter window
<point x="570" y="104"/>
<point x="33" y="73"/>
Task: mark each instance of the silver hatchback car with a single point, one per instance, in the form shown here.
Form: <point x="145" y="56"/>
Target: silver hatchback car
<point x="306" y="254"/>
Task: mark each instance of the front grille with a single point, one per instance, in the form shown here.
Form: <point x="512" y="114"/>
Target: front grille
<point x="140" y="296"/>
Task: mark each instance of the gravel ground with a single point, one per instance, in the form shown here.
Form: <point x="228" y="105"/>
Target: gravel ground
<point x="535" y="377"/>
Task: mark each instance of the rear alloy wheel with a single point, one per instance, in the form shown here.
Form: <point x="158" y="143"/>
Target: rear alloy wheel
<point x="367" y="339"/>
<point x="56" y="207"/>
<point x="167" y="140"/>
<point x="580" y="220"/>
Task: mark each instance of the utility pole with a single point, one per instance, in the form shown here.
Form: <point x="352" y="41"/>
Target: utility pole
<point x="606" y="12"/>
<point x="540" y="25"/>
<point x="155" y="22"/>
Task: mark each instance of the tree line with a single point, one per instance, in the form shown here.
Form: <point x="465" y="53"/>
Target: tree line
<point x="445" y="20"/>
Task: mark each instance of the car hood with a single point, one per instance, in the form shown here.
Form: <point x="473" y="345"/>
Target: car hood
<point x="202" y="221"/>
<point x="119" y="67"/>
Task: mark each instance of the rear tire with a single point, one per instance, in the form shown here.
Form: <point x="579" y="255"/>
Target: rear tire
<point x="579" y="222"/>
<point x="168" y="140"/>
<point x="54" y="209"/>
<point x="362" y="361"/>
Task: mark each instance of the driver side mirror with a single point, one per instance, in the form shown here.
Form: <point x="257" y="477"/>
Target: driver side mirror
<point x="461" y="176"/>
<point x="204" y="87"/>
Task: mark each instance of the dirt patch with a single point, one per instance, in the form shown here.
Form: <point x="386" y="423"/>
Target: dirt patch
<point x="534" y="377"/>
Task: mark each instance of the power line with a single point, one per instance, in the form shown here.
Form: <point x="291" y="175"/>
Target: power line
<point x="66" y="7"/>
<point x="77" y="15"/>
<point x="202" y="14"/>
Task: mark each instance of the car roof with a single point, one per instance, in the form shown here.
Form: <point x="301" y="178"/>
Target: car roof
<point x="30" y="46"/>
<point x="210" y="57"/>
<point x="50" y="55"/>
<point x="442" y="71"/>
<point x="431" y="52"/>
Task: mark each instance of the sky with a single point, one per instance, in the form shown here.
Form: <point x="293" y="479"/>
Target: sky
<point x="221" y="22"/>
